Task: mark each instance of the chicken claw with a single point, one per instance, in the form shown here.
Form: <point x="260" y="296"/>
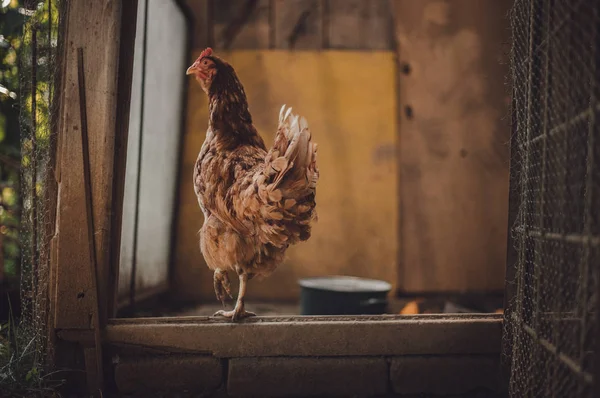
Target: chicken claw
<point x="222" y="286"/>
<point x="239" y="312"/>
<point x="235" y="315"/>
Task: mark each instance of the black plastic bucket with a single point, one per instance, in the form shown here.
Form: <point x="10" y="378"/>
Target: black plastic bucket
<point x="343" y="295"/>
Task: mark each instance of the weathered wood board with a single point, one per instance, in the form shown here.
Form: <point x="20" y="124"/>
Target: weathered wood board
<point x="131" y="169"/>
<point x="240" y="24"/>
<point x="359" y="24"/>
<point x="89" y="27"/>
<point x="95" y="70"/>
<point x="357" y="193"/>
<point x="298" y="24"/>
<point x="293" y="24"/>
<point x="201" y="26"/>
<point x="454" y="144"/>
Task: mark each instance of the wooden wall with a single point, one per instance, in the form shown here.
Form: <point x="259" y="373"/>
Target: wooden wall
<point x="454" y="143"/>
<point x="406" y="104"/>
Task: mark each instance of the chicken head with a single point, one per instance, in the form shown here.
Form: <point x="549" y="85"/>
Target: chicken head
<point x="204" y="69"/>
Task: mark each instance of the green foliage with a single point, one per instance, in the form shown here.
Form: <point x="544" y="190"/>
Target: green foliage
<point x="11" y="31"/>
<point x="19" y="374"/>
<point x="26" y="78"/>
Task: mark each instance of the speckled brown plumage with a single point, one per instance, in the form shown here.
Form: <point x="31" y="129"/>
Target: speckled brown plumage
<point x="256" y="203"/>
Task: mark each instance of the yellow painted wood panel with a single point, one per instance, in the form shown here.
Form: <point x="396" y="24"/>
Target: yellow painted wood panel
<point x="349" y="99"/>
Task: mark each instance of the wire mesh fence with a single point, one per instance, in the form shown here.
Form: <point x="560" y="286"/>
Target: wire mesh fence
<point x="551" y="322"/>
<point x="37" y="55"/>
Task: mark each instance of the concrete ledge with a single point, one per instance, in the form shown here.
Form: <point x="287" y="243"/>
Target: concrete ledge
<point x="272" y="377"/>
<point x="312" y="336"/>
<point x="168" y="373"/>
<point x="445" y="374"/>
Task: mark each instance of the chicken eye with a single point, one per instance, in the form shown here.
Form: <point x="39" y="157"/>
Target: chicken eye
<point x="205" y="62"/>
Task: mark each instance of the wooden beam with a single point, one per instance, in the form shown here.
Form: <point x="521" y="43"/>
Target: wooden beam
<point x="103" y="32"/>
<point x="311" y="336"/>
<point x="93" y="355"/>
<point x="125" y="74"/>
<point x="240" y="24"/>
<point x="297" y="24"/>
<point x="359" y="24"/>
<point x="201" y="25"/>
<point x="96" y="28"/>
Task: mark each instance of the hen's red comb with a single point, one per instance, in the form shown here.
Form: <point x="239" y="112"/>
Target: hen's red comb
<point x="207" y="52"/>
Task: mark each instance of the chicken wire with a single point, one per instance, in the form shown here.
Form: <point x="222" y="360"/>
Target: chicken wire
<point x="551" y="319"/>
<point x="39" y="117"/>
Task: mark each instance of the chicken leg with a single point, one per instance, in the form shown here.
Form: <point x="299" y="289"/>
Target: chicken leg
<point x="238" y="311"/>
<point x="221" y="285"/>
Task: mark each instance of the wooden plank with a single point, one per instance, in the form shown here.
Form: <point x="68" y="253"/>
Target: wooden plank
<point x="359" y="24"/>
<point x="94" y="378"/>
<point x="95" y="27"/>
<point x="454" y="157"/>
<point x="356" y="233"/>
<point x="298" y="24"/>
<point x="312" y="336"/>
<point x="201" y="24"/>
<point x="74" y="301"/>
<point x="128" y="34"/>
<point x="129" y="205"/>
<point x="240" y="24"/>
<point x="93" y="355"/>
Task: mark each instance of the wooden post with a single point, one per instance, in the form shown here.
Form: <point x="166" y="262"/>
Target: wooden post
<point x="129" y="14"/>
<point x="94" y="353"/>
<point x="102" y="30"/>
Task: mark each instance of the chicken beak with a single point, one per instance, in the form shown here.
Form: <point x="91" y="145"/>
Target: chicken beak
<point x="191" y="70"/>
<point x="195" y="70"/>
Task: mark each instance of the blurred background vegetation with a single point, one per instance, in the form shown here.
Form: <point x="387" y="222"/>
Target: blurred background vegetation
<point x="12" y="20"/>
<point x="24" y="140"/>
<point x="28" y="42"/>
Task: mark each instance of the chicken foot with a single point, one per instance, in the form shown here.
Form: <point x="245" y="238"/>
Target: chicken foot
<point x="239" y="311"/>
<point x="221" y="284"/>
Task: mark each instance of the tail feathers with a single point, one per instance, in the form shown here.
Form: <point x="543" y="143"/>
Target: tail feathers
<point x="294" y="155"/>
<point x="281" y="198"/>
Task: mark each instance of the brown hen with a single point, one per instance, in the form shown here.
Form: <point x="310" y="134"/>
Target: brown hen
<point x="256" y="203"/>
